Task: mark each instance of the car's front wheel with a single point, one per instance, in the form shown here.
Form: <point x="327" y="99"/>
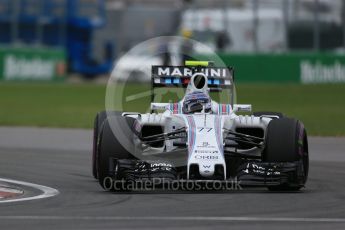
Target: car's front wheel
<point x="97" y="127"/>
<point x="116" y="142"/>
<point x="286" y="141"/>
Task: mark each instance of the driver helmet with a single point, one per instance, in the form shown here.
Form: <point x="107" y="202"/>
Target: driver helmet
<point x="196" y="102"/>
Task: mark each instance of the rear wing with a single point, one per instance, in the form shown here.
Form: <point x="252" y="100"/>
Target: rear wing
<point x="219" y="78"/>
<point x="179" y="76"/>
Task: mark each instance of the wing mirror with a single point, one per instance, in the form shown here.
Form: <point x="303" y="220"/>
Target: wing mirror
<point x="242" y="108"/>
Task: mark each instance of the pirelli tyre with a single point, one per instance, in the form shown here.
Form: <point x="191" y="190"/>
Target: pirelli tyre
<point x="98" y="122"/>
<point x="112" y="146"/>
<point x="286" y="141"/>
<point x="263" y="113"/>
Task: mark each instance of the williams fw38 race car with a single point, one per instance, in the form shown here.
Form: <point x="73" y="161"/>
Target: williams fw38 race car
<point x="199" y="139"/>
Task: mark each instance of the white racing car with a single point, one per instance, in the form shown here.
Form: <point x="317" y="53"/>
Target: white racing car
<point x="198" y="139"/>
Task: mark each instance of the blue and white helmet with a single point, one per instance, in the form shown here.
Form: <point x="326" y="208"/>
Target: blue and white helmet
<point x="196" y="102"/>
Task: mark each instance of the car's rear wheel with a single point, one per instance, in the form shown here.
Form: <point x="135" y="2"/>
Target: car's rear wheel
<point x="286" y="141"/>
<point x="98" y="122"/>
<point x="112" y="146"/>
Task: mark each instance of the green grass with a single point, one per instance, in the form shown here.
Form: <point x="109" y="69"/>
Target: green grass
<point x="51" y="105"/>
<point x="320" y="107"/>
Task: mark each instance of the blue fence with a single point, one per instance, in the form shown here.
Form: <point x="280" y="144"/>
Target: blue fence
<point x="58" y="23"/>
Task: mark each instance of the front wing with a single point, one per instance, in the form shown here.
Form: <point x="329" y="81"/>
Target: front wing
<point x="251" y="173"/>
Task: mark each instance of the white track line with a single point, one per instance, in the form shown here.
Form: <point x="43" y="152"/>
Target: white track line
<point x="11" y="190"/>
<point x="178" y="218"/>
<point x="47" y="191"/>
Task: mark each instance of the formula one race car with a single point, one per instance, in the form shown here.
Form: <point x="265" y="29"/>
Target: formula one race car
<point x="199" y="139"/>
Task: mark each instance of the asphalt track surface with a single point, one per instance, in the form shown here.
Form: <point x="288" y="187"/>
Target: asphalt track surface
<point x="61" y="159"/>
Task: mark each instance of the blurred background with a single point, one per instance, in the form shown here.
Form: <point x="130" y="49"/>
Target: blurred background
<point x="288" y="55"/>
<point x="84" y="37"/>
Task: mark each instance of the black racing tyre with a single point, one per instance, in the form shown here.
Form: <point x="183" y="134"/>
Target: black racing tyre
<point x="98" y="122"/>
<point x="286" y="141"/>
<point x="110" y="146"/>
<point x="261" y="113"/>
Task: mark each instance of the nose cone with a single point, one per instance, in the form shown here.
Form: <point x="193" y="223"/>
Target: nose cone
<point x="205" y="143"/>
<point x="206" y="170"/>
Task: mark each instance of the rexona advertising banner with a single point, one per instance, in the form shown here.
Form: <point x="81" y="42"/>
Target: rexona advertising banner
<point x="32" y="64"/>
<point x="305" y="68"/>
